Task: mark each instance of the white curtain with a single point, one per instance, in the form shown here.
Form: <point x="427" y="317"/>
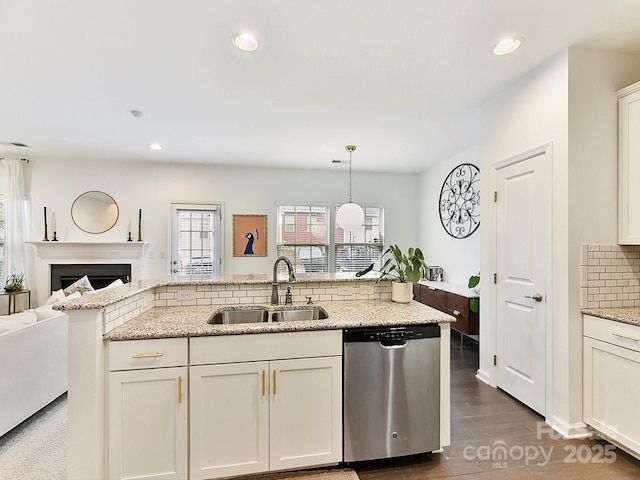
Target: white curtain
<point x="16" y="259"/>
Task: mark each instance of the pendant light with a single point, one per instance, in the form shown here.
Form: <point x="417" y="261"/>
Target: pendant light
<point x="350" y="216"/>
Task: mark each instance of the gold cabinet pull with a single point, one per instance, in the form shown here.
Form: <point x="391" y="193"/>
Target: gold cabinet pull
<point x="180" y="395"/>
<point x="147" y="355"/>
<point x="625" y="336"/>
<point x="263" y="383"/>
<point x="274" y="381"/>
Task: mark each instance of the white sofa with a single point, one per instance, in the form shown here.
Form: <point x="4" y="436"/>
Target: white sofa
<point x="33" y="365"/>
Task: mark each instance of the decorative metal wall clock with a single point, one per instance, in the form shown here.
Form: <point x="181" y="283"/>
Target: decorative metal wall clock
<point x="460" y="201"/>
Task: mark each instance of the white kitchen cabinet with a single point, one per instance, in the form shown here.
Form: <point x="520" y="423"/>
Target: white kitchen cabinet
<point x="147" y="415"/>
<point x="611" y="382"/>
<point x="629" y="165"/>
<point x="271" y="412"/>
<point x="306" y="411"/>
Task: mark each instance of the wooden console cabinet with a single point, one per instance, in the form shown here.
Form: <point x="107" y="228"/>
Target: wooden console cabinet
<point x="454" y="304"/>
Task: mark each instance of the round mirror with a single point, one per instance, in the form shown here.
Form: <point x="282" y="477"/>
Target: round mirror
<point x="94" y="212"/>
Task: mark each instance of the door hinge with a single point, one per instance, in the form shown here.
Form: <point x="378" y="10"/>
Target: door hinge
<point x="495" y="278"/>
<point x="495" y="196"/>
<point x="495" y="360"/>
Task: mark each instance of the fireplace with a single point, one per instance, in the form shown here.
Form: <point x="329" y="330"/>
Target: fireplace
<point x="100" y="274"/>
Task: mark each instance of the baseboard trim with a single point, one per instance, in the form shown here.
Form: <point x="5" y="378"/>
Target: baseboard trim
<point x="575" y="430"/>
<point x="483" y="377"/>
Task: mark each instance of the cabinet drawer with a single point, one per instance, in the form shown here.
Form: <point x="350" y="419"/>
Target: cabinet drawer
<point x="610" y="331"/>
<point x="153" y="353"/>
<point x="266" y="346"/>
<point x="453" y="304"/>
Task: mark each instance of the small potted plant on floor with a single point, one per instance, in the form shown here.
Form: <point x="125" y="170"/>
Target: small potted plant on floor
<point x="403" y="270"/>
<point x="14" y="283"/>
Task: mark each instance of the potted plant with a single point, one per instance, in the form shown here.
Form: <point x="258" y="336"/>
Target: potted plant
<point x="403" y="270"/>
<point x="14" y="283"/>
<point x="474" y="303"/>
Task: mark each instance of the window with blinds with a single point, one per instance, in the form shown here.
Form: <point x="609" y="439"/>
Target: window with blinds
<point x="303" y="236"/>
<point x="357" y="249"/>
<point x="309" y="236"/>
<point x="196" y="235"/>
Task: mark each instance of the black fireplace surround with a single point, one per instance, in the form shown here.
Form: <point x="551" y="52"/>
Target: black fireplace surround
<point x="100" y="274"/>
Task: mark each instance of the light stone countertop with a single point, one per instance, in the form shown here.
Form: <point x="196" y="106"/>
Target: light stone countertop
<point x="105" y="297"/>
<point x="166" y="322"/>
<point x="630" y="315"/>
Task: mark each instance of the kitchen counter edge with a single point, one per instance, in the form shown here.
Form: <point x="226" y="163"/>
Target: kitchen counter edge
<point x="170" y="322"/>
<point x="629" y="315"/>
<point x="103" y="298"/>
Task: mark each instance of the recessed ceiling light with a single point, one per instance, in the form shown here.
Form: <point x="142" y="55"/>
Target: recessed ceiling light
<point x="155" y="146"/>
<point x="246" y="42"/>
<point x="508" y="45"/>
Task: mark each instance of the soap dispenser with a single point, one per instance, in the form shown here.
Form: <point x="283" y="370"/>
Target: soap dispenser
<point x="288" y="299"/>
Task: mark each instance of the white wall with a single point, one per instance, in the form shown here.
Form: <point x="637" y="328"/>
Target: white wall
<point x="568" y="101"/>
<point x="530" y="113"/>
<point x="153" y="186"/>
<point x="594" y="79"/>
<point x="460" y="258"/>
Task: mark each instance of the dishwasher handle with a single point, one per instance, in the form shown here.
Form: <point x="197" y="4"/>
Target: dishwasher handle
<point x="393" y="343"/>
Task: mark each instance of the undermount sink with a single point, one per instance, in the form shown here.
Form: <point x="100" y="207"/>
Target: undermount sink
<point x="246" y="315"/>
<point x="313" y="313"/>
<point x="261" y="315"/>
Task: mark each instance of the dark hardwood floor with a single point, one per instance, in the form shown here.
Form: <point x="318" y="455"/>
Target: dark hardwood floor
<point x="483" y="420"/>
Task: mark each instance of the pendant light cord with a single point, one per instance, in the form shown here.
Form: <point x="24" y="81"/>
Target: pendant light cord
<point x="350" y="149"/>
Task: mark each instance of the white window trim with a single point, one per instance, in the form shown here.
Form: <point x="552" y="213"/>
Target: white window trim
<point x="173" y="215"/>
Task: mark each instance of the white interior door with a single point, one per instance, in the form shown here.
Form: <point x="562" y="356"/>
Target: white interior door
<point x="522" y="251"/>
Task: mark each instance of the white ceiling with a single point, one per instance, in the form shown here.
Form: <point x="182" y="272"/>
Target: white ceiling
<point x="401" y="79"/>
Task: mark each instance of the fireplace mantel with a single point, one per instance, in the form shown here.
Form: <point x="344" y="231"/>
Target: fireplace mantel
<point x="48" y="253"/>
<point x="90" y="250"/>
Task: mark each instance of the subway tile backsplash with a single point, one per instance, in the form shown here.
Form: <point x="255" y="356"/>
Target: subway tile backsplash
<point x="240" y="294"/>
<point x="610" y="276"/>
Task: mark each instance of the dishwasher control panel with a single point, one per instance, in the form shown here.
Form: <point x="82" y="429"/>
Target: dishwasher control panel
<point x="376" y="334"/>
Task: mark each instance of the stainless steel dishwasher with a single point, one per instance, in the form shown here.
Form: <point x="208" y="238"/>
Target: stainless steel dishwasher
<point x="391" y="391"/>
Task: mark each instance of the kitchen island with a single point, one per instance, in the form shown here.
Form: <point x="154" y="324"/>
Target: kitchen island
<point x="166" y="317"/>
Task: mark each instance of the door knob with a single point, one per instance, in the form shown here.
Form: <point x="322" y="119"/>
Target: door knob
<point x="536" y="296"/>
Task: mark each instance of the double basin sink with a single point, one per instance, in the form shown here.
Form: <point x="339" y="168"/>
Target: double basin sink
<point x="234" y="316"/>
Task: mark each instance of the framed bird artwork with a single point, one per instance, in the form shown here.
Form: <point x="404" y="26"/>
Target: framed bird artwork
<point x="249" y="235"/>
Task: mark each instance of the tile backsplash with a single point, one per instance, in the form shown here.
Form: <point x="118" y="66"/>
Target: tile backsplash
<point x="609" y="276"/>
<point x="240" y="294"/>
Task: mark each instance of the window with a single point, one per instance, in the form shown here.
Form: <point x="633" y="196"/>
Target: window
<point x="309" y="237"/>
<point x="303" y="236"/>
<point x="196" y="240"/>
<point x="358" y="249"/>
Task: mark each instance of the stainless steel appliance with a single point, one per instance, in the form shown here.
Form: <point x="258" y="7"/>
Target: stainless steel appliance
<point x="391" y="391"/>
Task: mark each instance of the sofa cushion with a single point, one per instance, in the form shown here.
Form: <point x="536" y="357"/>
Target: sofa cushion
<point x="55" y="297"/>
<point x="16" y="321"/>
<point x="115" y="283"/>
<point x="81" y="285"/>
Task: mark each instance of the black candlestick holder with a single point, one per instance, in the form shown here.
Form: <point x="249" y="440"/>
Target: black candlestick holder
<point x="55" y="236"/>
<point x="129" y="238"/>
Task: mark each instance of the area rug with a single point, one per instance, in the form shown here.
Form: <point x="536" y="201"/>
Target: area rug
<point x="328" y="474"/>
<point x="37" y="448"/>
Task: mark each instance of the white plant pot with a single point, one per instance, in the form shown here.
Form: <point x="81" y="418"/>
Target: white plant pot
<point x="401" y="292"/>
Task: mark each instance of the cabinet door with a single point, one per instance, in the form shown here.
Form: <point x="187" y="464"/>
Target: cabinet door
<point x="229" y="419"/>
<point x="306" y="412"/>
<point x="629" y="166"/>
<point x="611" y="391"/>
<point x="148" y="424"/>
